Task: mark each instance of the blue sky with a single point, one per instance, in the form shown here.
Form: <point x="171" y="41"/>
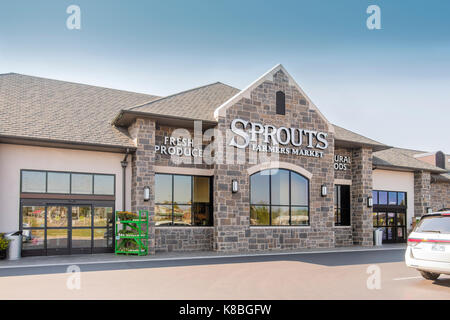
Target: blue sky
<point x="391" y="85"/>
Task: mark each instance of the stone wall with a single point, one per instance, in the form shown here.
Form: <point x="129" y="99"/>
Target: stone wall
<point x="361" y="189"/>
<point x="422" y="200"/>
<point x="343" y="236"/>
<point x="143" y="131"/>
<point x="232" y="210"/>
<point x="440" y="195"/>
<point x="343" y="174"/>
<point x="184" y="238"/>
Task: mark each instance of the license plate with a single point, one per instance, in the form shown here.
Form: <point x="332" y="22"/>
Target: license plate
<point x="437" y="247"/>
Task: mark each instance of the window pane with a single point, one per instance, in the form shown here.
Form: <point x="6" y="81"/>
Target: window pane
<point x="259" y="185"/>
<point x="280" y="216"/>
<point x="390" y="220"/>
<point x="299" y="190"/>
<point x="381" y="218"/>
<point x="280" y="187"/>
<point x="33" y="217"/>
<point x="33" y="181"/>
<point x="103" y="238"/>
<point x="33" y="239"/>
<point x="58" y="182"/>
<point x="401" y="201"/>
<point x="375" y="197"/>
<point x="382" y="197"/>
<point x="103" y="184"/>
<point x="374" y="217"/>
<point x="56" y="238"/>
<point x="259" y="215"/>
<point x="202" y="214"/>
<point x="81" y="183"/>
<point x="81" y="216"/>
<point x="57" y="216"/>
<point x="401" y="219"/>
<point x="102" y="215"/>
<point x="393" y="198"/>
<point x="182" y="215"/>
<point x="163" y="215"/>
<point x="299" y="216"/>
<point x="81" y="238"/>
<point x="201" y="189"/>
<point x="182" y="189"/>
<point x="163" y="188"/>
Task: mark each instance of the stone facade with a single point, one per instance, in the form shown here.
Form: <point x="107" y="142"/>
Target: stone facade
<point x="344" y="174"/>
<point x="184" y="238"/>
<point x="360" y="191"/>
<point x="232" y="210"/>
<point x="422" y="200"/>
<point x="440" y="195"/>
<point x="343" y="236"/>
<point x="143" y="131"/>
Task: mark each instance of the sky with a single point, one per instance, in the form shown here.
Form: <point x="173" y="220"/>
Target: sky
<point x="390" y="84"/>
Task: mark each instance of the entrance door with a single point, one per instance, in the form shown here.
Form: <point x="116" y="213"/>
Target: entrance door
<point x="393" y="223"/>
<point x="61" y="228"/>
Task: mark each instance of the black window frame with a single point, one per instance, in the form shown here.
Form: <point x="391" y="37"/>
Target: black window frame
<point x="93" y="174"/>
<point x="339" y="210"/>
<point x="192" y="204"/>
<point x="290" y="206"/>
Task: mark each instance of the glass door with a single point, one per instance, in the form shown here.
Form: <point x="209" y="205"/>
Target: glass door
<point x="81" y="229"/>
<point x="58" y="227"/>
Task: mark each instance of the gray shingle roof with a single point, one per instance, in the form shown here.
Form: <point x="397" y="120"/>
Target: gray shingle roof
<point x="345" y="135"/>
<point x="198" y="103"/>
<point x="402" y="158"/>
<point x="38" y="108"/>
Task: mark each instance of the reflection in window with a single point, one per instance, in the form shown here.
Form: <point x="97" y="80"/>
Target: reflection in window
<point x="382" y="197"/>
<point x="375" y="197"/>
<point x="81" y="216"/>
<point x="33" y="239"/>
<point x="102" y="216"/>
<point x="81" y="183"/>
<point x="103" y="184"/>
<point x="33" y="217"/>
<point x="393" y="198"/>
<point x="58" y="182"/>
<point x="182" y="200"/>
<point x="279" y="197"/>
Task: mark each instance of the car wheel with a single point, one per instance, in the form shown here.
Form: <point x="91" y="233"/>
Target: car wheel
<point x="429" y="275"/>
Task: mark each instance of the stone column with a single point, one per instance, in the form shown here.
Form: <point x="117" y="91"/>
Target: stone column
<point x="361" y="189"/>
<point x="422" y="200"/>
<point x="142" y="172"/>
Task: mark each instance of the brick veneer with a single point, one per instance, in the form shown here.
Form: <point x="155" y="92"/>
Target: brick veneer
<point x="422" y="200"/>
<point x="361" y="189"/>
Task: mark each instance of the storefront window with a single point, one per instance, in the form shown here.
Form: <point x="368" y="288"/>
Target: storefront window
<point x="182" y="200"/>
<point x="33" y="181"/>
<point x="82" y="183"/>
<point x="103" y="184"/>
<point x="389" y="214"/>
<point x="342" y="205"/>
<point x="279" y="197"/>
<point x="58" y="182"/>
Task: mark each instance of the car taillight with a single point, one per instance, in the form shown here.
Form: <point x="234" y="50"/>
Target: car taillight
<point x="412" y="242"/>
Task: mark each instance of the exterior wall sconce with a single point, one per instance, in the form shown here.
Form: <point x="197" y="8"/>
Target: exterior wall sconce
<point x="370" y="202"/>
<point x="146" y="193"/>
<point x="234" y="186"/>
<point x="323" y="190"/>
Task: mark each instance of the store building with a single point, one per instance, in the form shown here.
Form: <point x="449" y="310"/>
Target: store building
<point x="227" y="169"/>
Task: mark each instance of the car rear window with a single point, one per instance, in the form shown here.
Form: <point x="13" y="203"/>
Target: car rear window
<point x="439" y="224"/>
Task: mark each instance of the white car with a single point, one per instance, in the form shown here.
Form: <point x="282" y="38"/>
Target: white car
<point x="428" y="248"/>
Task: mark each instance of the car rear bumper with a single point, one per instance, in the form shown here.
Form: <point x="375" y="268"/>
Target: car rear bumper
<point x="426" y="265"/>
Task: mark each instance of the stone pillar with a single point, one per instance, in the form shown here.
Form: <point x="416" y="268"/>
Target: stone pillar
<point x="422" y="200"/>
<point x="142" y="172"/>
<point x="361" y="189"/>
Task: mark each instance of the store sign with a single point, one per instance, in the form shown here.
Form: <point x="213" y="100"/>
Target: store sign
<point x="178" y="147"/>
<point x="341" y="163"/>
<point x="281" y="140"/>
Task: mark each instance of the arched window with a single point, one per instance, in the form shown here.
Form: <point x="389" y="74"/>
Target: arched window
<point x="279" y="197"/>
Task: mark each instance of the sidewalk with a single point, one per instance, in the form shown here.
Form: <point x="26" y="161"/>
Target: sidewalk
<point x="104" y="258"/>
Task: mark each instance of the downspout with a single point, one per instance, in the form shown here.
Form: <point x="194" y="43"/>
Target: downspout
<point x="124" y="164"/>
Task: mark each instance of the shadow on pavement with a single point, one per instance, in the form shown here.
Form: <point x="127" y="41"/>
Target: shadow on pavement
<point x="333" y="259"/>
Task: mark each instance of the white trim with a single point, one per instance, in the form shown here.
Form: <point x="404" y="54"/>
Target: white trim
<point x="426" y="154"/>
<point x="346" y="182"/>
<point x="183" y="170"/>
<point x="268" y="76"/>
<point x="279" y="165"/>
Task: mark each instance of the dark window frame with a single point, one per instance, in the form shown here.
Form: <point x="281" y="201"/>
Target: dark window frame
<point x="290" y="206"/>
<point x="172" y="203"/>
<point x="70" y="183"/>
<point x="280" y="103"/>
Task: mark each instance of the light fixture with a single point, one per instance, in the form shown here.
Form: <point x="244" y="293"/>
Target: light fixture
<point x="429" y="210"/>
<point x="234" y="186"/>
<point x="146" y="193"/>
<point x="324" y="190"/>
<point x="370" y="202"/>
